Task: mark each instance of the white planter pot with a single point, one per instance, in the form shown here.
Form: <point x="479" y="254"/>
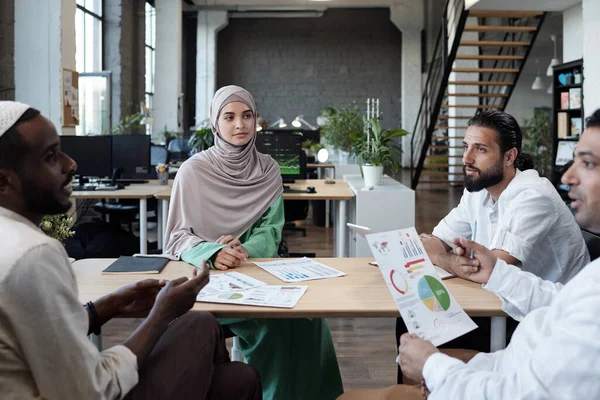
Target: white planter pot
<point x="372" y="175"/>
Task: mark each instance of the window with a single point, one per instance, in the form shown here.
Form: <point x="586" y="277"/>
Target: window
<point x="88" y="33"/>
<point x="150" y="44"/>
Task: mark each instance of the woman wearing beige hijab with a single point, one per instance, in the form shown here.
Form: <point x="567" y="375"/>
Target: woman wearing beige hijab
<point x="227" y="206"/>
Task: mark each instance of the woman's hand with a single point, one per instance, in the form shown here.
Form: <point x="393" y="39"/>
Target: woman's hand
<point x="239" y="253"/>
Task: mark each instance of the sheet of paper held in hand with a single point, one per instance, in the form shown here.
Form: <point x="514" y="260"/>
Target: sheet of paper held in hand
<point x="427" y="307"/>
<point x="301" y="269"/>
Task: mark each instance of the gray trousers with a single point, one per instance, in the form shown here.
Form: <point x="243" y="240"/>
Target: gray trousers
<point x="190" y="361"/>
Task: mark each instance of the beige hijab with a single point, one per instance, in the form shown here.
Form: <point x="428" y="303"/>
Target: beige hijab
<point x="223" y="190"/>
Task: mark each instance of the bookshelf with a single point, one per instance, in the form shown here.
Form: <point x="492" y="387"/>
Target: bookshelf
<point x="567" y="113"/>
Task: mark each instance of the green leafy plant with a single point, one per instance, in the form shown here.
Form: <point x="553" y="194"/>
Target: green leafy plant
<point x="57" y="226"/>
<point x="132" y="121"/>
<point x="202" y="139"/>
<point x="340" y="125"/>
<point x="376" y="145"/>
<point x="168" y="135"/>
<point x="537" y="141"/>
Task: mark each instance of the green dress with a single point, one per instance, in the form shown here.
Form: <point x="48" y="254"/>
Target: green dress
<point x="294" y="357"/>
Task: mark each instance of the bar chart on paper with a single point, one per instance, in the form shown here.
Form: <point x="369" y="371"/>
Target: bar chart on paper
<point x="433" y="294"/>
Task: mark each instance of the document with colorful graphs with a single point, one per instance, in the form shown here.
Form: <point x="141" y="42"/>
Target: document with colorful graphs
<point x="427" y="307"/>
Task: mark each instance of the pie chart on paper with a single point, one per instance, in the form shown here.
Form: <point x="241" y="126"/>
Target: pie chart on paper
<point x="433" y="294"/>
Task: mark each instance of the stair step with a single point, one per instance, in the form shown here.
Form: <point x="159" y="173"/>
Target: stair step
<point x="492" y="43"/>
<point x="487" y="57"/>
<point x="446" y="181"/>
<point x="448" y="138"/>
<point x="455" y="117"/>
<point x="434" y="166"/>
<point x="482" y="70"/>
<point x="481" y="83"/>
<point x="476" y="95"/>
<point x="504" y="14"/>
<point x="441" y="147"/>
<point x="442" y="156"/>
<point x="445" y="127"/>
<point x="486" y="106"/>
<point x="440" y="173"/>
<point x="498" y="28"/>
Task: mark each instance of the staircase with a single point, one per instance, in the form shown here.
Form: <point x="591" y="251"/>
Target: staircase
<point x="477" y="61"/>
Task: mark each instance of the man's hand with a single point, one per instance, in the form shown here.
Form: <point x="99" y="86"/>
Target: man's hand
<point x="231" y="256"/>
<point x="179" y="295"/>
<point x="485" y="261"/>
<point x="137" y="297"/>
<point x="414" y="352"/>
<point x="436" y="249"/>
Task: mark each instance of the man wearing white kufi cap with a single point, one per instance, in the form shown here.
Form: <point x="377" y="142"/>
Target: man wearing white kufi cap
<point x="44" y="351"/>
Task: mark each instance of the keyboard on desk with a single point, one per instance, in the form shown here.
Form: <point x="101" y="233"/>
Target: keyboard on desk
<point x="94" y="188"/>
<point x="126" y="181"/>
<point x="286" y="190"/>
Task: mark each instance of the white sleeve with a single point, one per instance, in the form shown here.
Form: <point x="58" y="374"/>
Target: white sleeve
<point x="454" y="225"/>
<point x="527" y="220"/>
<point x="51" y="326"/>
<point x="563" y="365"/>
<point x="520" y="291"/>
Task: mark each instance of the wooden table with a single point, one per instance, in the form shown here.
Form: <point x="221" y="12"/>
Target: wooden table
<point x="361" y="293"/>
<point x="141" y="192"/>
<point x="338" y="191"/>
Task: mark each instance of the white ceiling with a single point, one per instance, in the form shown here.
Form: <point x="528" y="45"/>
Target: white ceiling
<point x="523" y="5"/>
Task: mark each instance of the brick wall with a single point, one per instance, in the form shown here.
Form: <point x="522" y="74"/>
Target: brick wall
<point x="7" y="50"/>
<point x="300" y="66"/>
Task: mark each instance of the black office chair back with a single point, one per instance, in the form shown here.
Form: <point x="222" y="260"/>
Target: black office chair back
<point x="592" y="241"/>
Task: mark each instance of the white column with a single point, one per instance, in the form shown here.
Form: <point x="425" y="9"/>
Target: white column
<point x="167" y="87"/>
<point x="209" y="24"/>
<point x="408" y="16"/>
<point x="44" y="45"/>
<point x="591" y="56"/>
<point x="572" y="33"/>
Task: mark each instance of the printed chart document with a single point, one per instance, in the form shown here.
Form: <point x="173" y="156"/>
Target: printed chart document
<point x="427" y="307"/>
<point x="229" y="282"/>
<point x="302" y="269"/>
<point x="263" y="296"/>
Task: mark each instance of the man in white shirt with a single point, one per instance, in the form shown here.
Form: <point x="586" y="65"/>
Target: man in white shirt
<point x="509" y="208"/>
<point x="44" y="350"/>
<point x="554" y="353"/>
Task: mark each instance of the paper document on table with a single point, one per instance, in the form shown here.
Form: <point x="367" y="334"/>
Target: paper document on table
<point x="443" y="273"/>
<point x="301" y="269"/>
<point x="263" y="296"/>
<point x="425" y="303"/>
<point x="229" y="282"/>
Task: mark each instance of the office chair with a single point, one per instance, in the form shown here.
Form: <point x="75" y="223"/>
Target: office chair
<point x="158" y="155"/>
<point x="178" y="149"/>
<point x="592" y="241"/>
<point x="295" y="210"/>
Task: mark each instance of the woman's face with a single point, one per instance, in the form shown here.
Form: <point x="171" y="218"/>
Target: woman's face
<point x="236" y="123"/>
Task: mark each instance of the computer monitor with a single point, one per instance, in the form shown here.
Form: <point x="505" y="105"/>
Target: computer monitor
<point x="132" y="154"/>
<point x="286" y="149"/>
<point x="564" y="152"/>
<point x="93" y="154"/>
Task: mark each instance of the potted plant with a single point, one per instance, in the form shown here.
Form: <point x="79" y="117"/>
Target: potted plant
<point x="375" y="149"/>
<point x="201" y="139"/>
<point x="537" y="141"/>
<point x="340" y="124"/>
<point x="57" y="226"/>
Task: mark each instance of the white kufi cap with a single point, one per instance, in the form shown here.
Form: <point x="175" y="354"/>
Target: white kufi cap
<point x="10" y="112"/>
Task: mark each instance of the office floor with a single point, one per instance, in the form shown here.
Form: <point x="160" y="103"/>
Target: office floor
<point x="365" y="347"/>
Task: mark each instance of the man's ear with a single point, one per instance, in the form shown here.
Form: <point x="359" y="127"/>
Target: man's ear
<point x="9" y="181"/>
<point x="510" y="157"/>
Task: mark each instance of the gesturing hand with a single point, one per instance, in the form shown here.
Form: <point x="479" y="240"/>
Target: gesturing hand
<point x="485" y="261"/>
<point x="414" y="352"/>
<point x="179" y="295"/>
<point x="137" y="297"/>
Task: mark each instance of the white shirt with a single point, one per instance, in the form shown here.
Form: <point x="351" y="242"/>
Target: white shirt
<point x="44" y="349"/>
<point x="529" y="221"/>
<point x="553" y="354"/>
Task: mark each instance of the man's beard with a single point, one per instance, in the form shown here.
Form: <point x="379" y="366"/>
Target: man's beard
<point x="491" y="177"/>
<point x="42" y="201"/>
